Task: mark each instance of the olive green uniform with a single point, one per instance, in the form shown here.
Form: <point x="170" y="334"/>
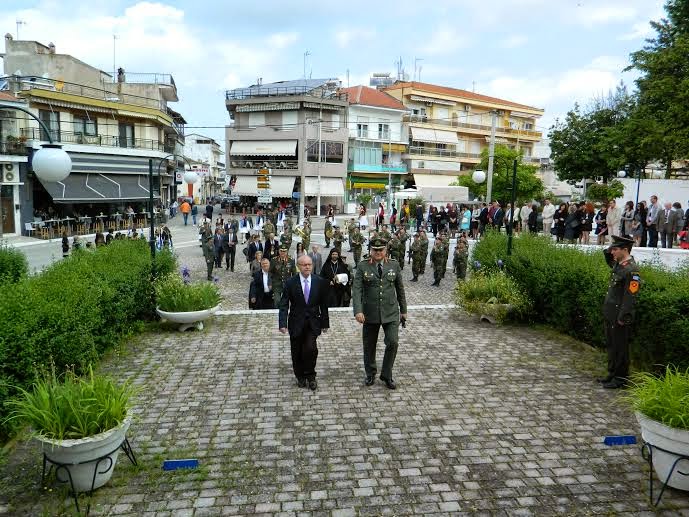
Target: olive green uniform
<point x="268" y="228"/>
<point x="618" y="312"/>
<point x="281" y="271"/>
<point x="356" y="239"/>
<point x="381" y="299"/>
<point x="286" y="239"/>
<point x="460" y="260"/>
<point x="424" y="251"/>
<point x="338" y="239"/>
<point x="439" y="261"/>
<point x="417" y="258"/>
<point x="209" y="255"/>
<point x="327" y="232"/>
<point x="395" y="251"/>
<point x="306" y="239"/>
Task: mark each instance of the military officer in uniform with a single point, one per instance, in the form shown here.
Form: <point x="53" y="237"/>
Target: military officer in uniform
<point x="286" y="238"/>
<point x="618" y="309"/>
<point x="424" y="250"/>
<point x="416" y="251"/>
<point x="385" y="233"/>
<point x="439" y="260"/>
<point x="281" y="269"/>
<point x="306" y="239"/>
<point x="356" y="240"/>
<point x="379" y="301"/>
<point x="338" y="238"/>
<point x="395" y="250"/>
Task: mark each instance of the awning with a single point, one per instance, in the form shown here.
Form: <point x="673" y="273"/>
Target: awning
<point x="99" y="188"/>
<point x="433" y="180"/>
<point x="273" y="106"/>
<point x="264" y="148"/>
<point x="331" y="187"/>
<point x="72" y="105"/>
<point x="431" y="100"/>
<point x="422" y="134"/>
<point x="280" y="186"/>
<point x="400" y="148"/>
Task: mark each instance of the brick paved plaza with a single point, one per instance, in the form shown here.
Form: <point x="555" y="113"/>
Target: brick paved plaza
<point x="486" y="421"/>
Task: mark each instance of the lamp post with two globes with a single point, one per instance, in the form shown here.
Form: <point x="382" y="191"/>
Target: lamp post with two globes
<point x="50" y="163"/>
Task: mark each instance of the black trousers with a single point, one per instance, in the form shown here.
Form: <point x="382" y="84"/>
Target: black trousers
<point x="370" y="339"/>
<point x="652" y="236"/>
<point x="617" y="344"/>
<point x="218" y="257"/>
<point x="229" y="257"/>
<point x="304" y="354"/>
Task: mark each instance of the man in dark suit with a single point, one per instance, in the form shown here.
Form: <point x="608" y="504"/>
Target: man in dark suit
<point x="261" y="289"/>
<point x="254" y="246"/>
<point x="304" y="297"/>
<point x="669" y="223"/>
<point x="272" y="247"/>
<point x="229" y="246"/>
<point x="218" y="246"/>
<point x="419" y="216"/>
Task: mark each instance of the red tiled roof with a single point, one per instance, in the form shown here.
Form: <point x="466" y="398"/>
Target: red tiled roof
<point x="8" y="97"/>
<point x="444" y="90"/>
<point x="372" y="97"/>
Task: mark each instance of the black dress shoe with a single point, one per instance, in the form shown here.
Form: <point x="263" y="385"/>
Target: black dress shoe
<point x="313" y="385"/>
<point x="415" y="279"/>
<point x="603" y="380"/>
<point x="370" y="380"/>
<point x="615" y="384"/>
<point x="389" y="383"/>
<point x="301" y="383"/>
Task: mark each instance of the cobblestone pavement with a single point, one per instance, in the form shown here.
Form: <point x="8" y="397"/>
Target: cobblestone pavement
<point x="487" y="420"/>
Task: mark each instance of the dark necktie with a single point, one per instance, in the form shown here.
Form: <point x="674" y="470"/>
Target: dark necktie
<point x="380" y="270"/>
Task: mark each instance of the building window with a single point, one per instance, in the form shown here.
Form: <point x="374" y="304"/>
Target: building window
<point x="126" y="135"/>
<point x="362" y="130"/>
<point x="84" y="126"/>
<point x="257" y="119"/>
<point x="528" y="126"/>
<point x="331" y="152"/>
<point x="290" y="119"/>
<point x="52" y="120"/>
<point x="383" y="131"/>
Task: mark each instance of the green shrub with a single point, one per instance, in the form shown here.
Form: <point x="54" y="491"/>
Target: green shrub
<point x="568" y="286"/>
<point x="485" y="293"/>
<point x="175" y="295"/>
<point x="73" y="312"/>
<point x="72" y="407"/>
<point x="663" y="398"/>
<point x="13" y="264"/>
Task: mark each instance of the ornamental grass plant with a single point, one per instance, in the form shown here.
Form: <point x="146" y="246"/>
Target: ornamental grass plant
<point x="72" y="407"/>
<point x="493" y="293"/>
<point x="173" y="294"/>
<point x="663" y="398"/>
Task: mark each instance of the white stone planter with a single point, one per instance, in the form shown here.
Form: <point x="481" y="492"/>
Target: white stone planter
<point x="188" y="320"/>
<point x="673" y="440"/>
<point x="495" y="312"/>
<point x="79" y="457"/>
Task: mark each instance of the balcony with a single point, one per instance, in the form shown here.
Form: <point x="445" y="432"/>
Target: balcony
<point x="442" y="153"/>
<point x="14" y="147"/>
<point x="393" y="168"/>
<point x="65" y="137"/>
<point x="254" y="163"/>
<point x="512" y="132"/>
<point x="285" y="91"/>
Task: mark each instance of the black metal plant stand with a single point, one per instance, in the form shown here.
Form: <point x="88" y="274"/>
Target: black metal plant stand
<point x="647" y="454"/>
<point x="103" y="462"/>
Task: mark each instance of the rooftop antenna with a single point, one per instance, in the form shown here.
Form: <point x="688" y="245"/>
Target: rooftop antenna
<point x="19" y="22"/>
<point x="306" y="54"/>
<point x="416" y="60"/>
<point x="473" y="86"/>
<point x="114" y="66"/>
<point x="348" y="78"/>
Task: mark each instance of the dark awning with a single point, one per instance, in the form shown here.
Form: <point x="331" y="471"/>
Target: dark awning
<point x="99" y="188"/>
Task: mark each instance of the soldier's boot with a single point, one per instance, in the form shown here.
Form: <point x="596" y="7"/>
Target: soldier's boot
<point x="415" y="279"/>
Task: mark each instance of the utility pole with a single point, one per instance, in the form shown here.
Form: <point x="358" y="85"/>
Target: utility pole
<point x="320" y="152"/>
<point x="491" y="156"/>
<point x="114" y="66"/>
<point x="389" y="170"/>
<point x="302" y="188"/>
<point x="19" y="22"/>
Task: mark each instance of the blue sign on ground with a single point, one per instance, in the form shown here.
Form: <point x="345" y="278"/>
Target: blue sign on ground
<point x="180" y="464"/>
<point x="620" y="440"/>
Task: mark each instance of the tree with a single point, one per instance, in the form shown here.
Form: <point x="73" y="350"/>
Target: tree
<point x="603" y="192"/>
<point x="664" y="81"/>
<point x="529" y="186"/>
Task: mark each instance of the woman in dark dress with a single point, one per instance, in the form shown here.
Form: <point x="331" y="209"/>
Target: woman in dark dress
<point x="602" y="225"/>
<point x="587" y="223"/>
<point x="572" y="223"/>
<point x="452" y="220"/>
<point x="559" y="219"/>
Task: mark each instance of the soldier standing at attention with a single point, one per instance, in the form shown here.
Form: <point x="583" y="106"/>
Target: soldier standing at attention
<point x="209" y="255"/>
<point x="281" y="269"/>
<point x="460" y="259"/>
<point x="356" y="239"/>
<point x="338" y="239"/>
<point x="424" y="250"/>
<point x="618" y="309"/>
<point x="417" y="257"/>
<point x="439" y="261"/>
<point x="378" y="300"/>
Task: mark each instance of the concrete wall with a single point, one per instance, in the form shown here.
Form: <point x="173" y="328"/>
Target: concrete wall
<point x="666" y="190"/>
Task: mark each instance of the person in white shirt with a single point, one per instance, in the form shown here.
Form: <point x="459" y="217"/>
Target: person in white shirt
<point x="613" y="220"/>
<point x="548" y="213"/>
<point x="524" y="214"/>
<point x="261" y="289"/>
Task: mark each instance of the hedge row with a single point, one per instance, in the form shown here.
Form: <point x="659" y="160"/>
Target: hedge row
<point x="74" y="311"/>
<point x="568" y="287"/>
<point x="13" y="264"/>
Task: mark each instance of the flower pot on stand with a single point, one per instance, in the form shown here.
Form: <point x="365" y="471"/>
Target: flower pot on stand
<point x="188" y="320"/>
<point x="669" y="451"/>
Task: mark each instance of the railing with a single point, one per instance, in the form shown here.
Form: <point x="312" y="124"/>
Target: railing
<point x="379" y="167"/>
<point x="99" y="140"/>
<point x="286" y="127"/>
<point x="445" y="153"/>
<point x="28" y="83"/>
<point x="480" y="127"/>
<point x="13" y="147"/>
<point x="148" y="78"/>
<point x="283" y="91"/>
<point x="253" y="163"/>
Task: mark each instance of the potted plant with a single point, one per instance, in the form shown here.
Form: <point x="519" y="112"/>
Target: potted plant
<point x="494" y="297"/>
<point x="661" y="404"/>
<point x="81" y="423"/>
<point x="180" y="301"/>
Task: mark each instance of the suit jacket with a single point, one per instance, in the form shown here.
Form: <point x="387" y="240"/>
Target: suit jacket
<point x="227" y="242"/>
<point x="296" y="314"/>
<point x="253" y="248"/>
<point x="272" y="249"/>
<point x="218" y="242"/>
<point x="498" y="217"/>
<point x="671" y="224"/>
<point x="263" y="300"/>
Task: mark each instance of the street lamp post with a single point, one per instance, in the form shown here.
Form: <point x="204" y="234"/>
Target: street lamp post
<point x="637" y="175"/>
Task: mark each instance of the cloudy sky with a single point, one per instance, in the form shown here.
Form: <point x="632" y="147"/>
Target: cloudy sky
<point x="545" y="53"/>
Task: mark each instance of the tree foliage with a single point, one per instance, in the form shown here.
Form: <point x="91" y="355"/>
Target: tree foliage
<point x="529" y="186"/>
<point x="605" y="191"/>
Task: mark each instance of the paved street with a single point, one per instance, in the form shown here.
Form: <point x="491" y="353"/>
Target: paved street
<point x="486" y="421"/>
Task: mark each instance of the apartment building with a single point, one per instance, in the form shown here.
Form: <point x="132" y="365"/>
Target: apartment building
<point x="449" y="127"/>
<point x="110" y="127"/>
<point x="377" y="141"/>
<point x="204" y="156"/>
<point x="278" y="126"/>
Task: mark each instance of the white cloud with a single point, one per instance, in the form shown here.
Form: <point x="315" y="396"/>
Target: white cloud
<point x="590" y="15"/>
<point x="283" y="39"/>
<point x="514" y="41"/>
<point x="444" y="40"/>
<point x="344" y="37"/>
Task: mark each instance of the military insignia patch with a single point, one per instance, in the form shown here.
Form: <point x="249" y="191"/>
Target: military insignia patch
<point x="634" y="286"/>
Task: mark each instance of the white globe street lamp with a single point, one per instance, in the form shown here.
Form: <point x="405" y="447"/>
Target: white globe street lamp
<point x="478" y="176"/>
<point x="621" y="174"/>
<point x="190" y="177"/>
<point x="51" y="163"/>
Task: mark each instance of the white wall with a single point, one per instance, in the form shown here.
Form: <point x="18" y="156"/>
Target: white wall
<point x="666" y="190"/>
<point x="377" y="116"/>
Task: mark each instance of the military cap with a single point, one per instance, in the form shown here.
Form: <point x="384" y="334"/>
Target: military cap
<point x="417" y="235"/>
<point x="378" y="244"/>
<point x="619" y="241"/>
<point x="284" y="248"/>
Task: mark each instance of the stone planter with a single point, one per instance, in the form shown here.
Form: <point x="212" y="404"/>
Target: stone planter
<point x="493" y="312"/>
<point x="188" y="320"/>
<point x="82" y="459"/>
<point x="676" y="441"/>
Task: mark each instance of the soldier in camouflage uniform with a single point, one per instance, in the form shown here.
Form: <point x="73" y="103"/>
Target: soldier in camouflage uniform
<point x="209" y="255"/>
<point x="327" y="232"/>
<point x="268" y="228"/>
<point x="306" y="239"/>
<point x="281" y="269"/>
<point x="618" y="309"/>
<point x="395" y="250"/>
<point x="424" y="250"/>
<point x="205" y="232"/>
<point x="385" y="234"/>
<point x="338" y="239"/>
<point x="460" y="259"/>
<point x="356" y="239"/>
<point x="289" y="226"/>
<point x="286" y="237"/>
<point x="439" y="260"/>
<point x="417" y="256"/>
<point x="403" y="237"/>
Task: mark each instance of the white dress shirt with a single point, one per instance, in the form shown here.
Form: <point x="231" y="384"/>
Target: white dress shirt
<point x="266" y="289"/>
